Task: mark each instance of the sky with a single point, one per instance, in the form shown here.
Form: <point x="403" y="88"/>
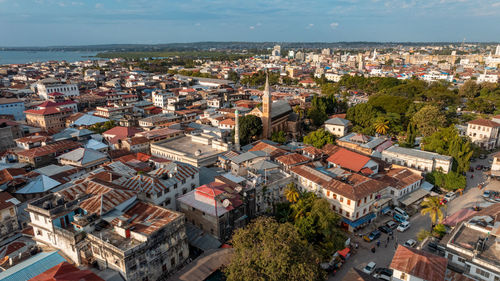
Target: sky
<point x="88" y="22"/>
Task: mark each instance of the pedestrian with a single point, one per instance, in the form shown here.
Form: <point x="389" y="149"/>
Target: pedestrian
<point x="378" y="243"/>
<point x="373" y="249"/>
<point x="388" y="239"/>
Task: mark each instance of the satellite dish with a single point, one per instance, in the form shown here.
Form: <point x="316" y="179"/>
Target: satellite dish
<point x="226" y="203"/>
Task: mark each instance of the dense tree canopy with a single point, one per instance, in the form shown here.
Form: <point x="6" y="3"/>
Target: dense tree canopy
<point x="429" y="119"/>
<point x="362" y="117"/>
<point x="268" y="250"/>
<point x="250" y="128"/>
<point x="319" y="138"/>
<point x="100" y="128"/>
<point x="279" y="137"/>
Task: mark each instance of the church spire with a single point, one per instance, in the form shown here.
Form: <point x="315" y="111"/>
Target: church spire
<point x="266" y="110"/>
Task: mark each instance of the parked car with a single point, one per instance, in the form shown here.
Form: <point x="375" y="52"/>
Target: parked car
<point x="410" y="243"/>
<point x="372" y="236"/>
<point x="399" y="218"/>
<point x="383" y="273"/>
<point x="487" y="193"/>
<point x="486" y="168"/>
<point x="482" y="156"/>
<point x="450" y="196"/>
<point x="391" y="224"/>
<point x="479" y="167"/>
<point x="401" y="212"/>
<point x="432" y="246"/>
<point x="385" y="229"/>
<point x="443" y="201"/>
<point x="369" y="268"/>
<point x="403" y="226"/>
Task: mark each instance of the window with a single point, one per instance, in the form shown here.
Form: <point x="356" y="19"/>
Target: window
<point x="335" y="196"/>
<point x="172" y="262"/>
<point x="482" y="273"/>
<point x="341" y="199"/>
<point x="328" y="193"/>
<point x="348" y="202"/>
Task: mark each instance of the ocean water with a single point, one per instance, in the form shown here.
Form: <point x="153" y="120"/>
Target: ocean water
<point x="21" y="57"/>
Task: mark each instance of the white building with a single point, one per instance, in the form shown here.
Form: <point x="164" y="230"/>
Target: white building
<point x="338" y="127"/>
<point x="69" y="90"/>
<point x="490" y="78"/>
<point x="161" y="99"/>
<point x="484" y="132"/>
<point x="424" y="161"/>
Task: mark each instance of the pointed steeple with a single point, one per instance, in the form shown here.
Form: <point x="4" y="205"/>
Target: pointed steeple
<point x="267" y="91"/>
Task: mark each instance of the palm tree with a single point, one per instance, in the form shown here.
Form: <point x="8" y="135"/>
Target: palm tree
<point x="292" y="193"/>
<point x="432" y="206"/>
<point x="381" y="126"/>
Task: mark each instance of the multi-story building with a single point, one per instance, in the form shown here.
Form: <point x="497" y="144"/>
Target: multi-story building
<point x="472" y="246"/>
<point x="14" y="107"/>
<point x="44" y="155"/>
<point x="139" y="240"/>
<point x="337" y="126"/>
<point x="412" y="264"/>
<point x="351" y="195"/>
<point x="69" y="90"/>
<point x="9" y="223"/>
<point x="484" y="133"/>
<point x="160" y="99"/>
<point x="216" y="208"/>
<point x="424" y="161"/>
<point x="164" y="185"/>
<point x="136" y="144"/>
<point x="50" y="118"/>
<point x="160" y="134"/>
<point x="9" y="131"/>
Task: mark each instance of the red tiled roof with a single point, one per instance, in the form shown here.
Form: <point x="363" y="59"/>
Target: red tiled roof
<point x="355" y="186"/>
<point x="484" y="122"/>
<point x="66" y="272"/>
<point x="47" y="111"/>
<point x="419" y="263"/>
<point x="348" y="159"/>
<point x="5" y="202"/>
<point x="8" y="174"/>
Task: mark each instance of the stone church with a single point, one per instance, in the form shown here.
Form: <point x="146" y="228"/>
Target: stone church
<point x="276" y="116"/>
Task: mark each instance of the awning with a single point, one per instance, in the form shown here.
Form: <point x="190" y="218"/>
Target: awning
<point x="344" y="252"/>
<point x="414" y="197"/>
<point x="360" y="221"/>
<point x="386" y="209"/>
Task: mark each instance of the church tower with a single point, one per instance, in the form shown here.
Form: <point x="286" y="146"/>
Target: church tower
<point x="266" y="110"/>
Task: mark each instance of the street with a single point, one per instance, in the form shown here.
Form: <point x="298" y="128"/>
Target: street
<point x="471" y="197"/>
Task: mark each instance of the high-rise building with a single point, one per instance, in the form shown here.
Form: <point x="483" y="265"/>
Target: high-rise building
<point x="497" y="51"/>
<point x="266" y="110"/>
<point x="276" y="51"/>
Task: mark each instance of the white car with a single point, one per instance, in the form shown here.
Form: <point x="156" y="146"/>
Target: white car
<point x="410" y="243"/>
<point x="369" y="268"/>
<point x="403" y="226"/>
<point x="450" y="196"/>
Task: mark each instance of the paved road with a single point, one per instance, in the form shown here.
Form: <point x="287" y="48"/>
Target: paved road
<point x="383" y="256"/>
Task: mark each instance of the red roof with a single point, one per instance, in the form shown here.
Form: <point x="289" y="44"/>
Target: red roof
<point x="66" y="272"/>
<point x="419" y="263"/>
<point x="484" y="122"/>
<point x="6" y="200"/>
<point x="47" y="111"/>
<point x="122" y="132"/>
<point x="348" y="159"/>
<point x="54" y="94"/>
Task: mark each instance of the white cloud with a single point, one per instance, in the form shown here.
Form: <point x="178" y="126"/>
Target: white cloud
<point x="197" y="24"/>
<point x="309" y="26"/>
<point x="77" y="3"/>
<point x="98" y="5"/>
<point x="334" y="25"/>
<point x="497" y="4"/>
<point x="252" y="27"/>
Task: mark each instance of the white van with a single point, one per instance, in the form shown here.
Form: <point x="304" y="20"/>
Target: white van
<point x="401" y="212"/>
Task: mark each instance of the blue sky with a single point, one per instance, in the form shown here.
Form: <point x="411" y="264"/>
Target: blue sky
<point x="60" y="22"/>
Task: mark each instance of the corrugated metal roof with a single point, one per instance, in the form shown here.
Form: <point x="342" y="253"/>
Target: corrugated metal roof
<point x="32" y="266"/>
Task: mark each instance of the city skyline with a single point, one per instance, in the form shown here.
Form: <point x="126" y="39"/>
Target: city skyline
<point x="50" y="22"/>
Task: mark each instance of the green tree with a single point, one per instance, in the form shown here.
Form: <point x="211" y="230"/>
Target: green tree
<point x="432" y="207"/>
<point x="100" y="128"/>
<point x="292" y="193"/>
<point x="469" y="89"/>
<point x="362" y="117"/>
<point x="381" y="125"/>
<point x="267" y="250"/>
<point x="319" y="138"/>
<point x="279" y="137"/>
<point x="250" y="127"/>
<point x="439" y="230"/>
<point x="422" y="234"/>
<point x="429" y="119"/>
